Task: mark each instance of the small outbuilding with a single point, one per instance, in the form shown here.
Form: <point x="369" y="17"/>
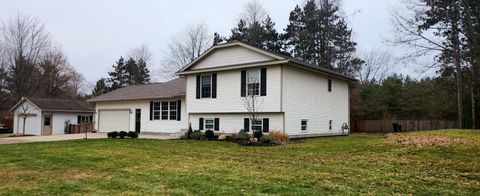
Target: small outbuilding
<point x="46" y="116"/>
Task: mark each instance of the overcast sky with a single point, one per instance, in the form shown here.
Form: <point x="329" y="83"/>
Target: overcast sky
<point x="95" y="33"/>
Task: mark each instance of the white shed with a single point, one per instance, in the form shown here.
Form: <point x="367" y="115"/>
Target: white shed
<point x="45" y="116"/>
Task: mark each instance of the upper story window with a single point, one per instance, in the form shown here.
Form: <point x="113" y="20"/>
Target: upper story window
<point x="253" y="82"/>
<point x="206" y="86"/>
<point x="329" y="85"/>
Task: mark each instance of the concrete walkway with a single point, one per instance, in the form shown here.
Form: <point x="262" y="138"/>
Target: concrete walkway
<point x="28" y="139"/>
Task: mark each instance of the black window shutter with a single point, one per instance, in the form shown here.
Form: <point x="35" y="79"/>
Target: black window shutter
<point x="243" y="83"/>
<point x="217" y="124"/>
<point x="266" y="125"/>
<point x="179" y="110"/>
<point x="200" y="123"/>
<point x="329" y="85"/>
<point x="198" y="86"/>
<point x="151" y="110"/>
<point x="79" y="119"/>
<point x="263" y="82"/>
<point x="246" y="124"/>
<point x="214" y="85"/>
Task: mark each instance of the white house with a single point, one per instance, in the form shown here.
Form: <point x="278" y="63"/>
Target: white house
<point x="216" y="89"/>
<point x="44" y="116"/>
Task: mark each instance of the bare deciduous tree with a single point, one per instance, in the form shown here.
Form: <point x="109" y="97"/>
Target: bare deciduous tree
<point x="252" y="102"/>
<point x="25" y="110"/>
<point x="253" y="13"/>
<point x="378" y="65"/>
<point x="184" y="48"/>
<point x="141" y="52"/>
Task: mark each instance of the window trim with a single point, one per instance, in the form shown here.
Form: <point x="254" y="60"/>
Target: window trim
<point x="205" y="123"/>
<point x="201" y="86"/>
<point x="259" y="82"/>
<point x="84" y="118"/>
<point x="302" y="126"/>
<point x="168" y="110"/>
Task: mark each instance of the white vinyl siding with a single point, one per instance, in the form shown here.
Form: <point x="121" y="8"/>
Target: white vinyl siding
<point x="306" y="96"/>
<point x="228" y="93"/>
<point x="147" y="125"/>
<point x="235" y="55"/>
<point x="232" y="123"/>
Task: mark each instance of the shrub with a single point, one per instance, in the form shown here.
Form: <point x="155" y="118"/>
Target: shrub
<point x="209" y="134"/>
<point x="113" y="134"/>
<point x="279" y="137"/>
<point x="196" y="135"/>
<point x="258" y="134"/>
<point x="132" y="134"/>
<point x="122" y="134"/>
<point x="266" y="139"/>
<point x="188" y="134"/>
<point x="241" y="136"/>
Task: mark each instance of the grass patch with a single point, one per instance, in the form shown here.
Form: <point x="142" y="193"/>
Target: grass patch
<point x="356" y="164"/>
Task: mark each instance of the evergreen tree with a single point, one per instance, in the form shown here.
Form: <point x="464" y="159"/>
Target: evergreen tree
<point x="143" y="74"/>
<point x="319" y="35"/>
<point x="118" y="78"/>
<point x="132" y="71"/>
<point x="100" y="87"/>
<point x="261" y="34"/>
<point x="218" y="39"/>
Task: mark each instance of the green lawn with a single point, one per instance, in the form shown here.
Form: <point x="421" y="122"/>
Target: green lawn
<point x="436" y="162"/>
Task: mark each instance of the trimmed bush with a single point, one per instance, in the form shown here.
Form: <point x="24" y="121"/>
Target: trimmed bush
<point x="196" y="135"/>
<point x="132" y="134"/>
<point x="209" y="134"/>
<point x="113" y="134"/>
<point x="258" y="134"/>
<point x="279" y="137"/>
<point x="122" y="134"/>
<point x="241" y="136"/>
<point x="266" y="139"/>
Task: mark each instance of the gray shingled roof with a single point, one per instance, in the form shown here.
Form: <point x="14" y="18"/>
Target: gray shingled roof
<point x="173" y="88"/>
<point x="50" y="104"/>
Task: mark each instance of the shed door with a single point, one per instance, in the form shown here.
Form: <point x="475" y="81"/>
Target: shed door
<point x="47" y="124"/>
<point x="113" y="120"/>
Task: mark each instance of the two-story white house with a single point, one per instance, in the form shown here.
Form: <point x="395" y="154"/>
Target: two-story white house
<point x="216" y="91"/>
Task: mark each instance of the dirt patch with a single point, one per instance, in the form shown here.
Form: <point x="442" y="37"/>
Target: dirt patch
<point x="427" y="141"/>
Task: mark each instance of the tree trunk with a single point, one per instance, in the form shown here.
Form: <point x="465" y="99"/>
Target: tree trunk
<point x="474" y="103"/>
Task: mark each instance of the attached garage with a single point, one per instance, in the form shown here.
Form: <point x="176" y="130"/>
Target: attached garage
<point x="113" y="120"/>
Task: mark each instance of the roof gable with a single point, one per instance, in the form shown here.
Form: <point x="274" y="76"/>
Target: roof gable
<point x="233" y="53"/>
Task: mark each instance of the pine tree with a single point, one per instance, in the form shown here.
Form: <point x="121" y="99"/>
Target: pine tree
<point x="218" y="39"/>
<point x="259" y="34"/>
<point x="319" y="35"/>
<point x="100" y="87"/>
<point x="118" y="78"/>
<point x="143" y="74"/>
<point x="132" y="71"/>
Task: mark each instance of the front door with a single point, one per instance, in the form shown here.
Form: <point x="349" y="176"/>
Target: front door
<point x="47" y="124"/>
<point x="138" y="113"/>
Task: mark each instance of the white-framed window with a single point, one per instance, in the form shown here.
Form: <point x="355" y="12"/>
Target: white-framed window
<point x="206" y="86"/>
<point x="84" y="119"/>
<point x="330" y="122"/>
<point x="209" y="124"/>
<point x="156" y="110"/>
<point x="173" y="110"/>
<point x="304" y="124"/>
<point x="165" y="110"/>
<point x="253" y="82"/>
<point x="257" y="125"/>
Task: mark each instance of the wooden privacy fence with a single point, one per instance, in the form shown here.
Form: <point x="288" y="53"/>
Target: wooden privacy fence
<point x="79" y="128"/>
<point x="385" y="126"/>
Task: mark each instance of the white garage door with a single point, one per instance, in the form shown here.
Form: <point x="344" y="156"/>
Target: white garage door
<point x="113" y="120"/>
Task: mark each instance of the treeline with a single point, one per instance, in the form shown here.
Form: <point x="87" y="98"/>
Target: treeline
<point x="32" y="64"/>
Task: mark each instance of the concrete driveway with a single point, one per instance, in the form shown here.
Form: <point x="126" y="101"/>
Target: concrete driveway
<point x="28" y="139"/>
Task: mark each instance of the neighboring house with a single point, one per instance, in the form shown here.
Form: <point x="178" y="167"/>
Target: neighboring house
<point x="45" y="116"/>
<point x="292" y="96"/>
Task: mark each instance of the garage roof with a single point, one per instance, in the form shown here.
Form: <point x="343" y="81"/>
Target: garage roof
<point x="59" y="105"/>
<point x="170" y="89"/>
